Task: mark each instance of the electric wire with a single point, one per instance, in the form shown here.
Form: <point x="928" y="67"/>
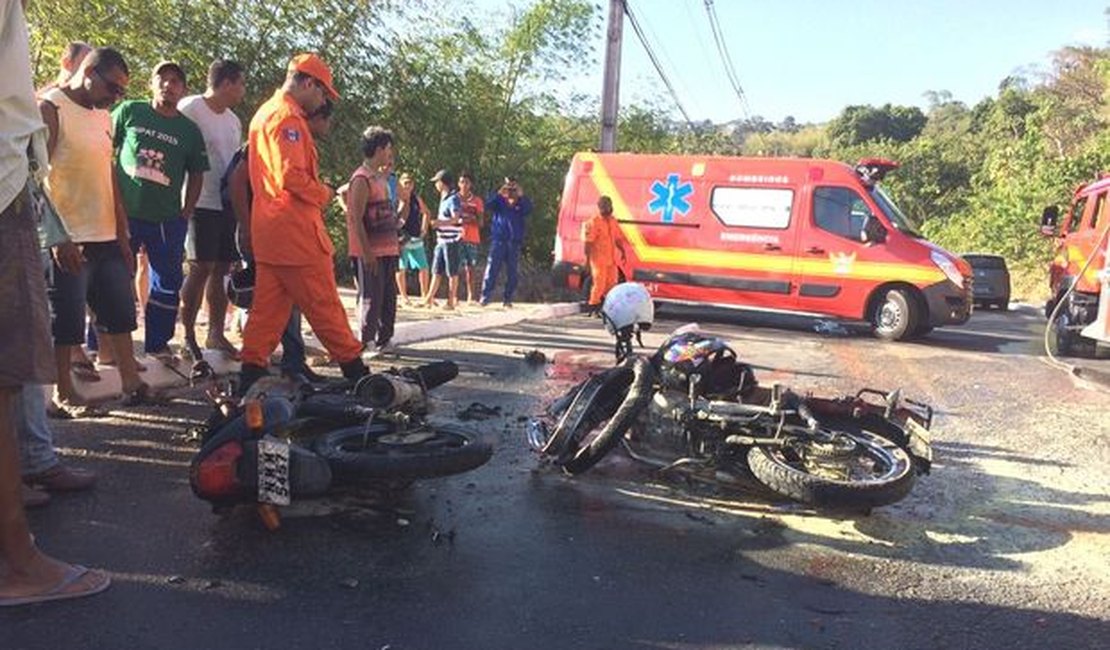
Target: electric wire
<point x="660" y="46"/>
<point x="695" y="29"/>
<point x="726" y="59"/>
<point x="655" y="62"/>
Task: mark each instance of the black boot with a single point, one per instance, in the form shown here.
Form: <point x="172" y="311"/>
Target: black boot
<point x="248" y="374"/>
<point x="354" y="369"/>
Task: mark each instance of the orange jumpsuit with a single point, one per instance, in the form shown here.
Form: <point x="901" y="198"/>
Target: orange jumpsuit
<point x="602" y="234"/>
<point x="292" y="251"/>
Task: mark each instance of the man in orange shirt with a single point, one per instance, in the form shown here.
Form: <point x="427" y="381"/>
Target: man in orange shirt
<point x="602" y="237"/>
<point x="292" y="251"/>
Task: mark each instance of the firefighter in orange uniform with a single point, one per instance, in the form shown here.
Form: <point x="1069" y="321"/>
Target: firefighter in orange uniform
<point x="602" y="238"/>
<point x="292" y="250"/>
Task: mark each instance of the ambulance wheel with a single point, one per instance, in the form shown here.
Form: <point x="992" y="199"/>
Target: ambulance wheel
<point x="896" y="316"/>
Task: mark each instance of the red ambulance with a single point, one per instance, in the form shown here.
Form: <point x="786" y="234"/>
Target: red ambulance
<point x="781" y="234"/>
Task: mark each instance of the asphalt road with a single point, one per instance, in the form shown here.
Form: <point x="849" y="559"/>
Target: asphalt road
<point x="1004" y="545"/>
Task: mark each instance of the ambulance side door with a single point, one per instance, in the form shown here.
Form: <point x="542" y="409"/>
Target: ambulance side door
<point x="754" y="242"/>
<point x="829" y="249"/>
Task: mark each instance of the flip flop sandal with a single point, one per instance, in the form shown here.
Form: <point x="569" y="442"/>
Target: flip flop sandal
<point x="141" y="396"/>
<point x="225" y="347"/>
<point x="98" y="582"/>
<point x="166" y="357"/>
<point x="112" y="364"/>
<point x="69" y="411"/>
<point x="84" y="370"/>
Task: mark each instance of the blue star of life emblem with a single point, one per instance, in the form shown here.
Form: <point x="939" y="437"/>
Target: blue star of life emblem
<point x="670" y="197"/>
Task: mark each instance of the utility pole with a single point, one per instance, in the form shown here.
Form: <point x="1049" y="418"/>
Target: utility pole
<point x="611" y="82"/>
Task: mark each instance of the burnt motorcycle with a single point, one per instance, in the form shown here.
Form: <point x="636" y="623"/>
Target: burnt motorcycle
<point x="695" y="408"/>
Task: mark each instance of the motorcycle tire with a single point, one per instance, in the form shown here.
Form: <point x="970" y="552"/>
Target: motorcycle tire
<point x="590" y="450"/>
<point x="426" y="452"/>
<point x="595" y="401"/>
<point x="775" y="468"/>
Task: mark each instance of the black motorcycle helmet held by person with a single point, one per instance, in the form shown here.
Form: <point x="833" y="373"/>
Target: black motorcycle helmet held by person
<point x="240" y="287"/>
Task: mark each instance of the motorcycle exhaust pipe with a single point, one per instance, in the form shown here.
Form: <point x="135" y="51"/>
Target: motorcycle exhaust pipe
<point x="382" y="391"/>
<point x="431" y="375"/>
<point x="392" y="390"/>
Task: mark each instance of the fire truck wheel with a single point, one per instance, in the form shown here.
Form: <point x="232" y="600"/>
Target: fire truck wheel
<point x="896" y="316"/>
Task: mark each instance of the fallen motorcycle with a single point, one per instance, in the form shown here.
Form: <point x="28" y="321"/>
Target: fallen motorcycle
<point x="281" y="445"/>
<point x="695" y="408"/>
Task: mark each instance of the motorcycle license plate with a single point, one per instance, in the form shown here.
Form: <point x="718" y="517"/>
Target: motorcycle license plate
<point x="920" y="442"/>
<point x="273" y="471"/>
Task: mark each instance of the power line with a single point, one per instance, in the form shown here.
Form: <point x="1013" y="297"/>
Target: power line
<point x="726" y="60"/>
<point x="660" y="46"/>
<point x="655" y="62"/>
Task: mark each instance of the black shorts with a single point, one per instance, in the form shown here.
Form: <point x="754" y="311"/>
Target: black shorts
<point x="211" y="237"/>
<point x="104" y="284"/>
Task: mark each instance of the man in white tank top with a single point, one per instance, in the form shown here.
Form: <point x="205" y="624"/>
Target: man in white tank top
<point x="210" y="244"/>
<point x="95" y="267"/>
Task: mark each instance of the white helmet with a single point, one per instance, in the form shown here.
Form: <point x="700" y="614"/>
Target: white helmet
<point x="627" y="311"/>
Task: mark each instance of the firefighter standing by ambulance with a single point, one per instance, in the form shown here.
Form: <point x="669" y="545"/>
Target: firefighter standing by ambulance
<point x="292" y="250"/>
<point x="602" y="237"/>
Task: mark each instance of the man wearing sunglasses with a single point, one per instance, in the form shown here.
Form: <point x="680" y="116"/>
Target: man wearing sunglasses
<point x="94" y="268"/>
<point x="292" y="250"/>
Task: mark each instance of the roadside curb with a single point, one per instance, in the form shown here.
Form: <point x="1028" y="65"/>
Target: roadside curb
<point x="162" y="378"/>
<point x="420" y="331"/>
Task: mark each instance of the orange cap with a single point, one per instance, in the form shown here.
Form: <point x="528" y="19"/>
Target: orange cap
<point x="314" y="66"/>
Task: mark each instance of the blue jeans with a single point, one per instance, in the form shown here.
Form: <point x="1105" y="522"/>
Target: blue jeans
<point x="36" y="440"/>
<point x="501" y="251"/>
<point x="292" y="345"/>
<point x="165" y="248"/>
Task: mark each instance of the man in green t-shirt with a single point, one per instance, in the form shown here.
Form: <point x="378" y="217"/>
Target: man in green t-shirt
<point x="157" y="148"/>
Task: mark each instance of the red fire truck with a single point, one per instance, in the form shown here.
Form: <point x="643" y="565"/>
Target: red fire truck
<point x="1080" y="264"/>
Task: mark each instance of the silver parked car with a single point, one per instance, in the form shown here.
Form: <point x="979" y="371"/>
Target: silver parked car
<point x="991" y="283"/>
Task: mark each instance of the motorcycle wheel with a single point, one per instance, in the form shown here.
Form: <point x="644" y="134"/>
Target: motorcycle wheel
<point x="860" y="470"/>
<point x="591" y="446"/>
<point x="593" y="402"/>
<point x="384" y="453"/>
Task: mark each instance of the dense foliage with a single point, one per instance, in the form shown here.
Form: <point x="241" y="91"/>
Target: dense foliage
<point x="486" y="93"/>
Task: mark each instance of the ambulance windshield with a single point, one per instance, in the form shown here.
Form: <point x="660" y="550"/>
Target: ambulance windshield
<point x="897" y="218"/>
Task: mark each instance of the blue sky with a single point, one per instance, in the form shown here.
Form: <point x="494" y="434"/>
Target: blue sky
<point x="811" y="58"/>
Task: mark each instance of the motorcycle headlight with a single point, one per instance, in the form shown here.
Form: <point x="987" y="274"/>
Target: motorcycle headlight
<point x="948" y="267"/>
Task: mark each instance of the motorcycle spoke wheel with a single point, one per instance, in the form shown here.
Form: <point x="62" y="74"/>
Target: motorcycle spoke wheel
<point x="590" y="446"/>
<point x="848" y="469"/>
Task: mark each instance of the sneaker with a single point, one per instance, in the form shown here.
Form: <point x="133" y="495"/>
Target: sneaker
<point x="61" y="478"/>
<point x="166" y="356"/>
<point x="507" y="305"/>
